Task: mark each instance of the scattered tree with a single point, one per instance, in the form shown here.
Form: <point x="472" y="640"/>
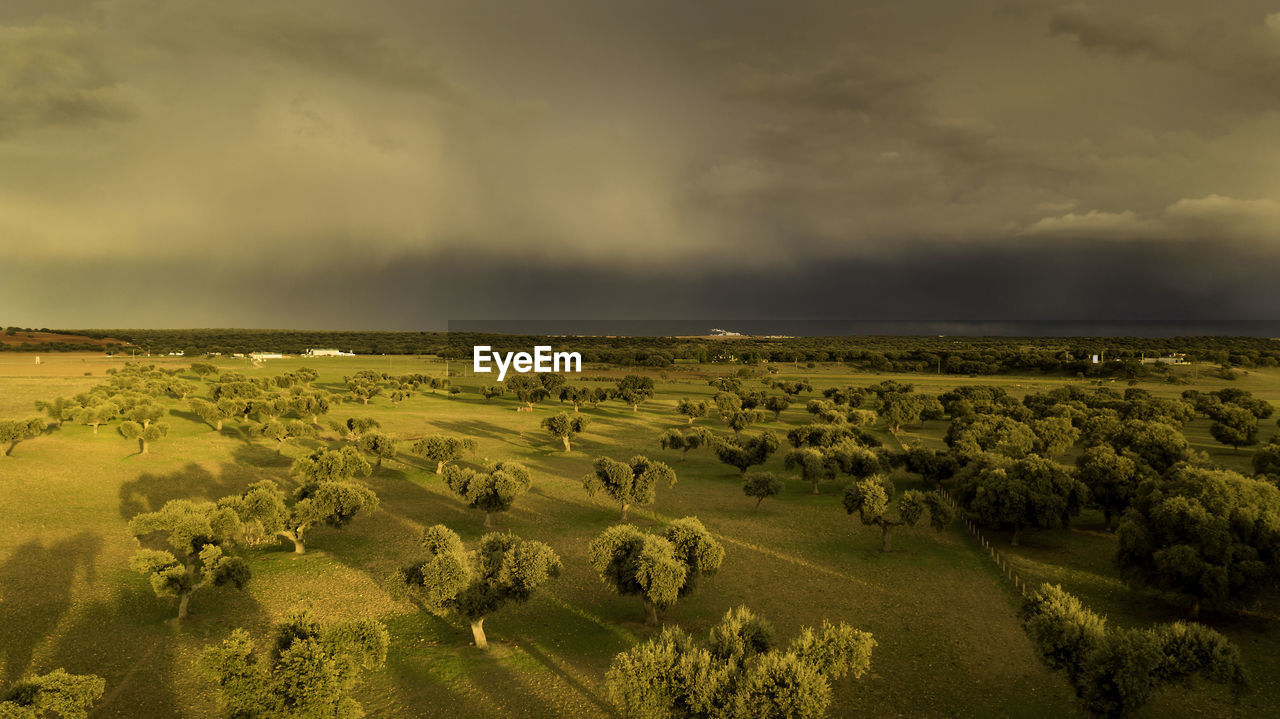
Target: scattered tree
<point x="201" y="369"/>
<point x="1266" y="461"/>
<point x="761" y="485"/>
<point x="489" y="391"/>
<point x="1029" y="493"/>
<point x="503" y="569"/>
<point x="266" y="514"/>
<point x="355" y="427"/>
<point x="692" y="410"/>
<point x="552" y="382"/>
<point x="491" y="491"/>
<point x="990" y="433"/>
<point x="442" y="449"/>
<point x="578" y="396"/>
<point x="13" y="431"/>
<point x="199" y="532"/>
<point x="814" y="465"/>
<point x="311" y="404"/>
<point x="1112" y="480"/>
<point x="377" y="444"/>
<point x="1159" y="445"/>
<point x="528" y="389"/>
<point x="97" y="414"/>
<point x="777" y="404"/>
<point x="1235" y="426"/>
<point x="1054" y="436"/>
<point x="144" y="434"/>
<point x="696" y="437"/>
<point x="363" y="388"/>
<point x="746" y="454"/>
<point x="59" y="410"/>
<point x="634" y="390"/>
<point x="332" y="465"/>
<point x="210" y="413"/>
<point x="740" y="419"/>
<point x="1205" y="535"/>
<point x="282" y="432"/>
<point x="628" y="483"/>
<point x="565" y="427"/>
<point x="659" y="569"/>
<point x="870" y="498"/>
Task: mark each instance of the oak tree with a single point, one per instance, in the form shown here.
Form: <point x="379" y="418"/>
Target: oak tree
<point x="503" y="569"/>
<point x="658" y="569"/>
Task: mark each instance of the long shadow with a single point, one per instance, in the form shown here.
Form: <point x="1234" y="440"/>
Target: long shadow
<point x="187" y="415"/>
<point x="532" y="650"/>
<point x="230" y="430"/>
<point x="149" y="491"/>
<point x="258" y="455"/>
<point x="131" y="642"/>
<point x="478" y="428"/>
<point x="37" y="582"/>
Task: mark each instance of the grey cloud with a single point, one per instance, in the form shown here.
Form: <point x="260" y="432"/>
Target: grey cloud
<point x="1244" y="52"/>
<point x="334" y="45"/>
<point x="56" y="77"/>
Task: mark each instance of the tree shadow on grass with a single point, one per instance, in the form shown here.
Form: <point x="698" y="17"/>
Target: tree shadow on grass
<point x="478" y="428"/>
<point x="189" y="416"/>
<point x="582" y="689"/>
<point x="234" y="431"/>
<point x="259" y="455"/>
<point x="150" y="491"/>
<point x="35" y="584"/>
<point x="133" y="643"/>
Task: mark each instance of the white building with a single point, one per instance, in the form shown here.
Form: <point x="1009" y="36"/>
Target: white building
<point x="265" y="355"/>
<point x="329" y="353"/>
<point x="1173" y="358"/>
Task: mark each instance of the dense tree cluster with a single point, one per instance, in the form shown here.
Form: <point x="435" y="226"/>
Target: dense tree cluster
<point x="58" y="693"/>
<point x="741" y="673"/>
<point x="1210" y="536"/>
<point x="1114" y="671"/>
<point x="308" y="669"/>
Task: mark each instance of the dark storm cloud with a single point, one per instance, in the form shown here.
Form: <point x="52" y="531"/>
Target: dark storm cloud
<point x="395" y="163"/>
<point x="1069" y="280"/>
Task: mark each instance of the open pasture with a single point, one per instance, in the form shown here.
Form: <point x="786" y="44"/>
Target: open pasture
<point x="944" y="618"/>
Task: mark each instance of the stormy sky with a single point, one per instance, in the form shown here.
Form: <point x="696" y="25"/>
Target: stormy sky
<point x="396" y="164"/>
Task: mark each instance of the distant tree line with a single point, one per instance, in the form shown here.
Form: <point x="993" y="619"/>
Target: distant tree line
<point x="945" y="355"/>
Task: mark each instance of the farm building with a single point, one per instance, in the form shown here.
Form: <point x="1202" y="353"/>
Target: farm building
<point x="1174" y="358"/>
<point x="329" y="353"/>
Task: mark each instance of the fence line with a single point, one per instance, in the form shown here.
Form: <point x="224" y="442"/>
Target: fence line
<point x="1003" y="564"/>
<point x="1005" y="568"/>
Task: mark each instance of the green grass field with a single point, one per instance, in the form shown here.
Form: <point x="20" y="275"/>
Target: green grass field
<point x="945" y="619"/>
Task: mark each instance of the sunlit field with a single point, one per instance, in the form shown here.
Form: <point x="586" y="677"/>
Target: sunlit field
<point x="949" y="641"/>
